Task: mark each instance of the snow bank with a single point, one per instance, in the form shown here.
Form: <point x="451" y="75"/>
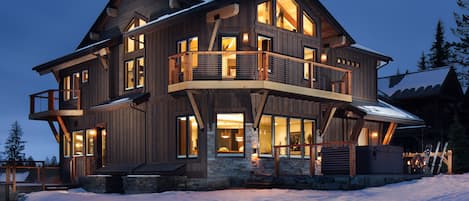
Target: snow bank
<point x="447" y="187"/>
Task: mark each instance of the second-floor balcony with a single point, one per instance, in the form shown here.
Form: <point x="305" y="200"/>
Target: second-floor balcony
<point x="47" y="105"/>
<point x="258" y="70"/>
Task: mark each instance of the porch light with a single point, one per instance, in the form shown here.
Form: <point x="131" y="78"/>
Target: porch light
<point x="374" y="134"/>
<point x="323" y="58"/>
<point x="245" y="37"/>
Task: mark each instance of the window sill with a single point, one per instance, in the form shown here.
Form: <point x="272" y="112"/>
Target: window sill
<point x="231" y="155"/>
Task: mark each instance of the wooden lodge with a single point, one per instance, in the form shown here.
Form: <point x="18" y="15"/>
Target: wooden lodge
<point x="215" y="89"/>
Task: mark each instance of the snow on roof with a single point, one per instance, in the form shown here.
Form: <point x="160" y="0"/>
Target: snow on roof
<point x="429" y="78"/>
<point x="358" y="46"/>
<point x="92" y="45"/>
<point x="167" y="16"/>
<point x="383" y="109"/>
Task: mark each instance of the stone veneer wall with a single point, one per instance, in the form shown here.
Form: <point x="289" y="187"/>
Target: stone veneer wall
<point x="238" y="169"/>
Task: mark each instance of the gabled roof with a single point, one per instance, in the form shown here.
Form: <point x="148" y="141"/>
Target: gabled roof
<point x="372" y="52"/>
<point x="418" y="84"/>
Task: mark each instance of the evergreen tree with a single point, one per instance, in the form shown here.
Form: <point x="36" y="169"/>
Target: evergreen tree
<point x="30" y="161"/>
<point x="459" y="144"/>
<point x="53" y="161"/>
<point x="422" y="62"/>
<point x="14" y="145"/>
<point x="47" y="162"/>
<point x="462" y="33"/>
<point x="439" y="53"/>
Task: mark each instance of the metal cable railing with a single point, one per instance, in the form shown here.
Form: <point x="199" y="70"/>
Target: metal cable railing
<point x="258" y="65"/>
<point x="49" y="100"/>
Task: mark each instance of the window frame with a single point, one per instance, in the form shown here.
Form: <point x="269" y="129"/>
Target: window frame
<point x="87" y="145"/>
<point x="230" y="155"/>
<point x="66" y="145"/>
<point x="67" y="87"/>
<point x="85" y="79"/>
<point x="271" y="39"/>
<point x="126" y="75"/>
<point x="137" y="44"/>
<point x="76" y="80"/>
<point x="83" y="143"/>
<point x="303" y="150"/>
<point x="237" y="43"/>
<point x="298" y="20"/>
<point x="313" y="22"/>
<point x="271" y="16"/>
<point x="315" y="59"/>
<point x="178" y="134"/>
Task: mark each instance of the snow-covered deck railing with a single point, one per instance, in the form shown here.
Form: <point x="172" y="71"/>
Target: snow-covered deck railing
<point x="11" y="176"/>
<point x="258" y="66"/>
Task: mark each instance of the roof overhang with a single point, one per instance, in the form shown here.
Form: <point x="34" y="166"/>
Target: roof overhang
<point x="79" y="56"/>
<point x="385" y="112"/>
<point x="121" y="102"/>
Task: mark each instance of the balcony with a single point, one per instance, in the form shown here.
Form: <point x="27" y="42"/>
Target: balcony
<point x="45" y="105"/>
<point x="258" y="70"/>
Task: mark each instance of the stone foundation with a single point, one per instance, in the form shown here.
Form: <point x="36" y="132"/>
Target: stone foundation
<point x="95" y="183"/>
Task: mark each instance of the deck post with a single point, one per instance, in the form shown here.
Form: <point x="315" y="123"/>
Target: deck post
<point x="352" y="160"/>
<point x="277" y="161"/>
<point x="50" y="98"/>
<point x="14" y="178"/>
<point x="312" y="161"/>
<point x="450" y="162"/>
<point x="31" y="104"/>
<point x="265" y="66"/>
<point x="42" y="177"/>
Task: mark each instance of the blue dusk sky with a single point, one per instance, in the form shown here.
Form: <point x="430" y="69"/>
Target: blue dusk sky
<point x="34" y="32"/>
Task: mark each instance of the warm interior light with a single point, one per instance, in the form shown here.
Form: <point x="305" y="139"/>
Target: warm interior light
<point x="374" y="134"/>
<point x="323" y="58"/>
<point x="239" y="139"/>
<point x="93" y="132"/>
<point x="245" y="37"/>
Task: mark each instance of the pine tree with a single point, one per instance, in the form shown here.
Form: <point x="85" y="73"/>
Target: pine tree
<point x="14" y="145"/>
<point x="422" y="62"/>
<point x="461" y="47"/>
<point x="53" y="161"/>
<point x="439" y="53"/>
<point x="47" y="162"/>
<point x="459" y="144"/>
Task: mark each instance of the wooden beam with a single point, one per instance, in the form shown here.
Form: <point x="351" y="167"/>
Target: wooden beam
<point x="357" y="130"/>
<point x="389" y="133"/>
<point x="54" y="131"/>
<point x="57" y="76"/>
<point x="258" y="109"/>
<point x="214" y="34"/>
<point x="223" y="13"/>
<point x="62" y="125"/>
<point x="329" y="115"/>
<point x="104" y="62"/>
<point x="195" y="108"/>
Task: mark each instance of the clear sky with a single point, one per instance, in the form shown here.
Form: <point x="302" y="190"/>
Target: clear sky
<point x="34" y="32"/>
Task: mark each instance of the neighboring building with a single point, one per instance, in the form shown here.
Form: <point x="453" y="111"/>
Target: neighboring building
<point x="205" y="88"/>
<point x="435" y="95"/>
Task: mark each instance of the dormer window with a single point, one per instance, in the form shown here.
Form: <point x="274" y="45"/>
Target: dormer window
<point x="135" y="42"/>
<point x="287" y="15"/>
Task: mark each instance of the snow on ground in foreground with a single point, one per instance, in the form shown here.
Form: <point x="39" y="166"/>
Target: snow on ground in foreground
<point x="442" y="187"/>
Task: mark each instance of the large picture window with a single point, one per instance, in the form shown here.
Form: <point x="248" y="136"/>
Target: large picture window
<point x="187" y="135"/>
<point x="78" y="142"/>
<point x="230" y="134"/>
<point x="285" y="131"/>
<point x="264" y="12"/>
<point x="134" y="73"/>
<point x="287" y="15"/>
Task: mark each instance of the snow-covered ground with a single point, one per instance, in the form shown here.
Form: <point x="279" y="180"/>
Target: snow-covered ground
<point x="442" y="187"/>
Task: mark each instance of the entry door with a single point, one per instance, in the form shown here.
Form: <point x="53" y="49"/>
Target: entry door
<point x="101" y="148"/>
<point x="228" y="46"/>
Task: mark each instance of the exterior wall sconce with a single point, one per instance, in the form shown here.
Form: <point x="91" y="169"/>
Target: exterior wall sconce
<point x="245" y="37"/>
<point x="323" y="58"/>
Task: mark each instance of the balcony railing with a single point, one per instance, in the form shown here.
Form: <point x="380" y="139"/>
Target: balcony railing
<point x="258" y="65"/>
<point x="49" y="102"/>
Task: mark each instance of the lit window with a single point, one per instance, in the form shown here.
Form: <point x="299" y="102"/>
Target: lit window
<point x="78" y="148"/>
<point x="194" y="47"/>
<point x="264" y="14"/>
<point x="264" y="44"/>
<point x="295" y="137"/>
<point x="103" y="147"/>
<point x="66" y="145"/>
<point x="129" y="75"/>
<point x="230" y="134"/>
<point x="140" y="72"/>
<point x="66" y="88"/>
<point x="90" y="139"/>
<point x="187" y="134"/>
<point x="182" y="47"/>
<point x="309" y="55"/>
<point x="281" y="136"/>
<point x="265" y="136"/>
<point x="228" y="45"/>
<point x="287" y="15"/>
<point x="309" y="27"/>
<point x="189" y="45"/>
<point x="84" y="76"/>
<point x="76" y="85"/>
<point x="308" y="134"/>
<point x="135" y="42"/>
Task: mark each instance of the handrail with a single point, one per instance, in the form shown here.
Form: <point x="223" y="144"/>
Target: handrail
<point x="258" y="65"/>
<point x="11" y="167"/>
<point x="52" y="96"/>
<point x="312" y="155"/>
